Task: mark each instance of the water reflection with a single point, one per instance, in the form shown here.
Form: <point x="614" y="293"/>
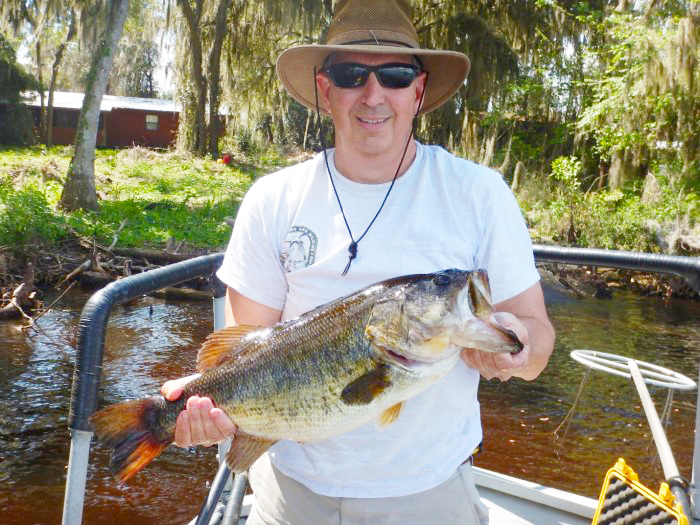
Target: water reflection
<point x="608" y="421"/>
<point x="153" y="340"/>
<point x="144" y="344"/>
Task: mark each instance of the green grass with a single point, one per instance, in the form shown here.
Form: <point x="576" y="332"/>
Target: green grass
<point x="166" y="195"/>
<point x="159" y="195"/>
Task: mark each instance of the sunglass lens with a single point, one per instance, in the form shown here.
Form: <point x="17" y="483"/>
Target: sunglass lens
<point x="396" y="76"/>
<point x="347" y="75"/>
<point x="350" y="75"/>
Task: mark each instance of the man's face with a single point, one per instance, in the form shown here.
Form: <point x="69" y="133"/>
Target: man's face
<point x="371" y="120"/>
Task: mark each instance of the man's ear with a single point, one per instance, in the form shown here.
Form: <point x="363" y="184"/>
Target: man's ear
<point x="323" y="85"/>
<point x="419" y="84"/>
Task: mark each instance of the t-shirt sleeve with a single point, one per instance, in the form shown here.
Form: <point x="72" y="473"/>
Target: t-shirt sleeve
<point x="506" y="248"/>
<point x="251" y="263"/>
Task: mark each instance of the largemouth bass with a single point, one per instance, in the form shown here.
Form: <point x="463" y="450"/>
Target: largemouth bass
<point x="324" y="373"/>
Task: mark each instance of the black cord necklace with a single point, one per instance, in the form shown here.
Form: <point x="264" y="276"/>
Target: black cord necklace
<point x="352" y="248"/>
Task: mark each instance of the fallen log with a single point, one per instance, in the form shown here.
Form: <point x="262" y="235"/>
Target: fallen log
<point x="92" y="280"/>
<point x="152" y="256"/>
<point x="23" y="299"/>
<point x="186" y="294"/>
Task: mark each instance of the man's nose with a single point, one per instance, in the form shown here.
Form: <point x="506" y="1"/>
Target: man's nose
<point x="373" y="91"/>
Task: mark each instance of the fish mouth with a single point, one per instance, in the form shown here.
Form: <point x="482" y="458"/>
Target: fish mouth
<point x="400" y="360"/>
<point x="409" y="361"/>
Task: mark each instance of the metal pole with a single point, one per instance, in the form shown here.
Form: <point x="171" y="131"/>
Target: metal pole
<point x="695" y="477"/>
<point x="235" y="500"/>
<point x="76" y="477"/>
<point x="657" y="430"/>
<point x="217" y="488"/>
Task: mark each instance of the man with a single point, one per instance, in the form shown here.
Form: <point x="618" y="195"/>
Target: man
<point x="376" y="206"/>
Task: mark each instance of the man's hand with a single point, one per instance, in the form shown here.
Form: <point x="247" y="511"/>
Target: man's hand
<point x="200" y="423"/>
<point x="526" y="315"/>
<point x="501" y="365"/>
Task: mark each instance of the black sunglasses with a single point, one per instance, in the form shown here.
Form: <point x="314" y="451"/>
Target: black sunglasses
<point x="352" y="75"/>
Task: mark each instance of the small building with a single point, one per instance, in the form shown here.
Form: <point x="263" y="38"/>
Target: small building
<point x="124" y="121"/>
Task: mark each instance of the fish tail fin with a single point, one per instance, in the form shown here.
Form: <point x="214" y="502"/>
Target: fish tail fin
<point x="135" y="431"/>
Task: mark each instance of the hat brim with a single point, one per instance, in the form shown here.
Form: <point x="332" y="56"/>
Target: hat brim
<point x="447" y="70"/>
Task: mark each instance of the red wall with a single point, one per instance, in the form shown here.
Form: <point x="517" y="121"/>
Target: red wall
<point x="66" y="136"/>
<point x="127" y="127"/>
<point x="120" y="128"/>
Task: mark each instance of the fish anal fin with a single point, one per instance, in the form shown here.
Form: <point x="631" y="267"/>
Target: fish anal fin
<point x="245" y="449"/>
<point x="223" y="345"/>
<point x="390" y="415"/>
<point x="365" y="388"/>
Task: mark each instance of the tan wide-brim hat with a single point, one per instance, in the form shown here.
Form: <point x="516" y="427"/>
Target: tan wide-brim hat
<point x="374" y="27"/>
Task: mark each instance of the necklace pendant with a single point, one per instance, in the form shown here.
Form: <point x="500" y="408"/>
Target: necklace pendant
<point x="353" y="253"/>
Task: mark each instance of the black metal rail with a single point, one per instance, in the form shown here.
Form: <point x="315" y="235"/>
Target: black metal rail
<point x="686" y="267"/>
<point x="93" y="322"/>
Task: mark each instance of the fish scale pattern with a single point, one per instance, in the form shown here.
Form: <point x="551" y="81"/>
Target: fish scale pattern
<point x="625" y="506"/>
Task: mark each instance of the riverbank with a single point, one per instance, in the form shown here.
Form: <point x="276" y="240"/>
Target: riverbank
<point x="160" y="207"/>
<point x="102" y="265"/>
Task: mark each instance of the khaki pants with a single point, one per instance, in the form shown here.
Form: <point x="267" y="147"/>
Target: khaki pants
<point x="280" y="500"/>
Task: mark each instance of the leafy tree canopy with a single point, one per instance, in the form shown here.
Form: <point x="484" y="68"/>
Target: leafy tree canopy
<point x="14" y="79"/>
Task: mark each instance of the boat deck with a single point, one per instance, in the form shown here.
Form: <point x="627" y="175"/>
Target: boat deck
<point x="512" y="501"/>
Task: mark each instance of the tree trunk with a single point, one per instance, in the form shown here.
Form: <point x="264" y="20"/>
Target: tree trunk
<point x="79" y="190"/>
<point x="621" y="169"/>
<point x="193" y="17"/>
<point x="39" y="76"/>
<point x="48" y="138"/>
<point x="214" y="66"/>
<point x="518" y="177"/>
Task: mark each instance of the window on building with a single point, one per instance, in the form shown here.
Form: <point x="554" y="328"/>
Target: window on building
<point x="65" y="118"/>
<point x="152" y="122"/>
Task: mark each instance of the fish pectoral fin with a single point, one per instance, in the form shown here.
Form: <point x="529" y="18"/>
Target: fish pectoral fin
<point x="223" y="345"/>
<point x="365" y="388"/>
<point x="390" y="415"/>
<point x="245" y="449"/>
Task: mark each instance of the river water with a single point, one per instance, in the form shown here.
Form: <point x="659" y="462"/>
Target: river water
<point x="152" y="340"/>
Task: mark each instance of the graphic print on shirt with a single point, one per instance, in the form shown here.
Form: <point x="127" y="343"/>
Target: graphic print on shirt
<point x="299" y="249"/>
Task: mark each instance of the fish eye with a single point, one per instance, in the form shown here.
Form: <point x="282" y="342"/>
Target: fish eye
<point x="441" y="280"/>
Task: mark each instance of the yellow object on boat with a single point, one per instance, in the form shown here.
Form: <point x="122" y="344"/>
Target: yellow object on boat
<point x="625" y="501"/>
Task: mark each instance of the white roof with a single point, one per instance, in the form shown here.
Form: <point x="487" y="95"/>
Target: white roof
<point x="66" y="100"/>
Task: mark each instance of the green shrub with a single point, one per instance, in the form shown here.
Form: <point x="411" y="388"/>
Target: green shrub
<point x="26" y="215"/>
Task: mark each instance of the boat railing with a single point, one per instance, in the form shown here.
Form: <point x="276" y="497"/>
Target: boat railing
<point x="95" y="316"/>
<point x="88" y="365"/>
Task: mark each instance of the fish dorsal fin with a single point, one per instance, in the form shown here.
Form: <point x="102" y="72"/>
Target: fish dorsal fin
<point x="245" y="449"/>
<point x="223" y="345"/>
<point x="365" y="388"/>
<point x="390" y="415"/>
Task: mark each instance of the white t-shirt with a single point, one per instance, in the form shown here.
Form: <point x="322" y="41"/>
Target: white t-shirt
<point x="288" y="250"/>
